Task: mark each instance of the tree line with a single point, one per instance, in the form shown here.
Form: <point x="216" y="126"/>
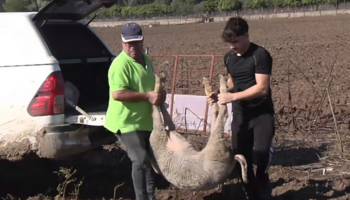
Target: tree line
<point x="125" y="8"/>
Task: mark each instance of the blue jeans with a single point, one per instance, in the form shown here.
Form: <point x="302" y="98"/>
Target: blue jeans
<point x="138" y="148"/>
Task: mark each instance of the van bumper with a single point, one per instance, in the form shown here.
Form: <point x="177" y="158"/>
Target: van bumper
<point x="61" y="142"/>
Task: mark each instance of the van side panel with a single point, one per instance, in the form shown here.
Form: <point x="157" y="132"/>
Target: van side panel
<point x="21" y="43"/>
<point x="18" y="130"/>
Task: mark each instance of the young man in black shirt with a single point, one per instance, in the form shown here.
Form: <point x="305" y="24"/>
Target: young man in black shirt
<point x="253" y="118"/>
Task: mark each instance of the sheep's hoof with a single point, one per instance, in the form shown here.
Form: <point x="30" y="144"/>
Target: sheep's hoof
<point x="155" y="169"/>
<point x="242" y="161"/>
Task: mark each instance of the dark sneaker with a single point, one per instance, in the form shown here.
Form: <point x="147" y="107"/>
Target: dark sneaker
<point x="265" y="190"/>
<point x="152" y="197"/>
<point x="260" y="190"/>
<point x="252" y="195"/>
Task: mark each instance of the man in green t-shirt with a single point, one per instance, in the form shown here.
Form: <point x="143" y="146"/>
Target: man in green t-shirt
<point x="129" y="115"/>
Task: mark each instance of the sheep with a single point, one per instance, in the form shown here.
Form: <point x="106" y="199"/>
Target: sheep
<point x="179" y="162"/>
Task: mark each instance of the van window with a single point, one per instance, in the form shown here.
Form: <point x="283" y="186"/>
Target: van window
<point x="72" y="40"/>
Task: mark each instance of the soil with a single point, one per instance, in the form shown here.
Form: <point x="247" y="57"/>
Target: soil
<point x="308" y="163"/>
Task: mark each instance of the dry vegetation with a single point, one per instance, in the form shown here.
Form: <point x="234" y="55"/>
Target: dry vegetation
<point x="311" y="69"/>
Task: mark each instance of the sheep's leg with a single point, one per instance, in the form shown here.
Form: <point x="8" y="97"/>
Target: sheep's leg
<point x="157" y="126"/>
<point x="160" y="122"/>
<point x="167" y="119"/>
<point x="157" y="119"/>
<point x="222" y="116"/>
<point x="214" y="108"/>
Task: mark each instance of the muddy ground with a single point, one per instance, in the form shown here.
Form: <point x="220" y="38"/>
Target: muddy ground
<point x="310" y="55"/>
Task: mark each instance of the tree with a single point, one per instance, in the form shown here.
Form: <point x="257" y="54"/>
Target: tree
<point x="15" y="6"/>
<point x="210" y="5"/>
<point x="228" y="5"/>
<point x="115" y="11"/>
<point x="199" y="8"/>
<point x="183" y="6"/>
<point x="163" y="2"/>
<point x="25" y="5"/>
<point x="42" y="3"/>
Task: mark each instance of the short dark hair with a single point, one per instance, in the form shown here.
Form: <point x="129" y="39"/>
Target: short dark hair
<point x="235" y="27"/>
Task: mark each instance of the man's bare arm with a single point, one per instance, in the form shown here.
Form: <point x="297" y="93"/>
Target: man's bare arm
<point x="263" y="70"/>
<point x="133" y="97"/>
<point x="261" y="89"/>
<point x="129" y="96"/>
<point x="120" y="85"/>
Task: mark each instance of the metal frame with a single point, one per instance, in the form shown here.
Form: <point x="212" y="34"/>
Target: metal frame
<point x="175" y="70"/>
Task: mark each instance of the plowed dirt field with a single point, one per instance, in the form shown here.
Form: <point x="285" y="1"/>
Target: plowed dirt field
<point x="310" y="55"/>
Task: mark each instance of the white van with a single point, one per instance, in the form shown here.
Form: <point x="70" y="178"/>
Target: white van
<point x="44" y="58"/>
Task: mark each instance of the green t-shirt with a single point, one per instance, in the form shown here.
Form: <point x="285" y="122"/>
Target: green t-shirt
<point x="126" y="73"/>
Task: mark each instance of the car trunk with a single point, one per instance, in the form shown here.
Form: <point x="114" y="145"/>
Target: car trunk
<point x="91" y="79"/>
<point x="84" y="61"/>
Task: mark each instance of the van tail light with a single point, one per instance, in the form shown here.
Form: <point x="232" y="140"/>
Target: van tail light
<point x="49" y="100"/>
